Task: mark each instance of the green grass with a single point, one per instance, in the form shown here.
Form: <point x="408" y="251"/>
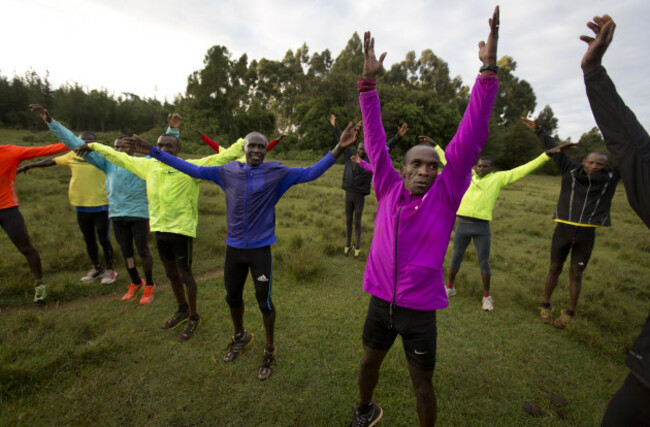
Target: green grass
<point x="87" y="358"/>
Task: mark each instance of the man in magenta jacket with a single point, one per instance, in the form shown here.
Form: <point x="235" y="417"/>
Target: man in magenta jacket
<point x="416" y="210"/>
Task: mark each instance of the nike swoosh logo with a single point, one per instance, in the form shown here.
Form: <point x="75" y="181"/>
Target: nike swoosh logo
<point x="420" y="352"/>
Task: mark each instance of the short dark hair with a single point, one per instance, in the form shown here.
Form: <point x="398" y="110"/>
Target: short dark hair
<point x="88" y="136"/>
<point x="486" y="159"/>
<point x="171" y="135"/>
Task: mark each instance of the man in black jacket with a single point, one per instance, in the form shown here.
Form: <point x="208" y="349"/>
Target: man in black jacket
<point x="584" y="204"/>
<point x="356" y="183"/>
<point x="629" y="144"/>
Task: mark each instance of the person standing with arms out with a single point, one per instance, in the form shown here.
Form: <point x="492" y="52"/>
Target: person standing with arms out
<point x="87" y="193"/>
<point x="475" y="213"/>
<point x="127" y="207"/>
<point x="416" y="208"/>
<point x="629" y="144"/>
<point x="252" y="190"/>
<point x="11" y="220"/>
<point x="585" y="199"/>
<point x="212" y="144"/>
<point x="356" y="183"/>
<point x="173" y="215"/>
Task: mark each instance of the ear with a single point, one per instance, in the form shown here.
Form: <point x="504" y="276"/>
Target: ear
<point x="402" y="171"/>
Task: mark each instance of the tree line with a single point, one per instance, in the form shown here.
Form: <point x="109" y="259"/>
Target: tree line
<point x="230" y="97"/>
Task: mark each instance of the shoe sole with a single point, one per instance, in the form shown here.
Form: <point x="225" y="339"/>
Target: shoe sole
<point x="176" y="325"/>
<point x="148" y="302"/>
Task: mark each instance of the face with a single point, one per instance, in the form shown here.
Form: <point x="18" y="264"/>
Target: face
<point x="420" y="169"/>
<point x="169" y="145"/>
<point x="361" y="150"/>
<point x="483" y="167"/>
<point x="255" y="149"/>
<point x="124" y="145"/>
<point x="87" y="137"/>
<point x="594" y="163"/>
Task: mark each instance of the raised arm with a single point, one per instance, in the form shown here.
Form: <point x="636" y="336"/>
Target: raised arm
<point x="138" y="165"/>
<point x="42" y="164"/>
<point x="624" y="136"/>
<point x="401" y="131"/>
<point x="275" y="142"/>
<point x="364" y="165"/>
<point x="337" y="130"/>
<point x="67" y="137"/>
<point x="465" y="146"/>
<point x="563" y="162"/>
<point x="212" y="144"/>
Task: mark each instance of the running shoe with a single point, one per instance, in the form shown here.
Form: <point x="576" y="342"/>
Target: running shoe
<point x="266" y="368"/>
<point x="357" y="252"/>
<point x="346" y="250"/>
<point x="238" y="345"/>
<point x="177" y="318"/>
<point x="562" y="321"/>
<point x="147" y="295"/>
<point x="40" y="293"/>
<point x="190" y="328"/>
<point x="546" y="315"/>
<point x="487" y="304"/>
<point x="450" y="291"/>
<point x="368" y="419"/>
<point x="108" y="277"/>
<point x="91" y="275"/>
<point x="132" y="291"/>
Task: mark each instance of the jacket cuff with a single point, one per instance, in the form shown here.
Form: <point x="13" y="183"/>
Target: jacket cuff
<point x="366" y="85"/>
<point x="595" y="73"/>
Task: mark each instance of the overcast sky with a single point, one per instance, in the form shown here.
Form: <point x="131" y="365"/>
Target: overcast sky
<point x="149" y="48"/>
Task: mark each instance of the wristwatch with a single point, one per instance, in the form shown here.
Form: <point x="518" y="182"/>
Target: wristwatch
<point x="486" y="67"/>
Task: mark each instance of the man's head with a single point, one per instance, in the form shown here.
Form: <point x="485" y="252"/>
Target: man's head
<point x="361" y="151"/>
<point x="87" y="136"/>
<point x="594" y="162"/>
<point x="420" y="168"/>
<point x="484" y="166"/>
<point x="169" y="144"/>
<point x="255" y="148"/>
<point x="124" y="144"/>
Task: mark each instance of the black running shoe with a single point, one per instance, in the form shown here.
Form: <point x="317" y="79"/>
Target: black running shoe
<point x="266" y="368"/>
<point x="368" y="419"/>
<point x="237" y="346"/>
<point x="190" y="328"/>
<point x="177" y="319"/>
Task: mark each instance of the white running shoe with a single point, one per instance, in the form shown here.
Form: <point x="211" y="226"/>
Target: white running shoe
<point x="91" y="275"/>
<point x="487" y="304"/>
<point x="109" y="277"/>
<point x="451" y="292"/>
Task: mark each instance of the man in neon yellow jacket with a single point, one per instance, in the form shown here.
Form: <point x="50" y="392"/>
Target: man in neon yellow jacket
<point x="475" y="213"/>
<point x="173" y="215"/>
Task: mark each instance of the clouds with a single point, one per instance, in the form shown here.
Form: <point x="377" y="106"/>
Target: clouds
<point x="150" y="48"/>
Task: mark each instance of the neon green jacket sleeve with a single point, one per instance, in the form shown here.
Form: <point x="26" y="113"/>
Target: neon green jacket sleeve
<point x="441" y="154"/>
<point x="480" y="197"/>
<point x="138" y="165"/>
<point x="223" y="156"/>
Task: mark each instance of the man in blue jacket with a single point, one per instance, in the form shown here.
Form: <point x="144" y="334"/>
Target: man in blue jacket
<point x="127" y="205"/>
<point x="252" y="191"/>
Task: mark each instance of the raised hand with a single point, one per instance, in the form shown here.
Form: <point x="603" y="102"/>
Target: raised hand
<point x="23" y="169"/>
<point x="355" y="159"/>
<point x="83" y="150"/>
<point x="280" y="138"/>
<point x="333" y="120"/>
<point x="140" y="145"/>
<point x="426" y="140"/>
<point x="174" y="120"/>
<point x="603" y="28"/>
<point x="45" y="115"/>
<point x="371" y="65"/>
<point x="560" y="148"/>
<point x="194" y="128"/>
<point x="350" y="135"/>
<point x="487" y="52"/>
<point x="401" y="130"/>
<point x="530" y="124"/>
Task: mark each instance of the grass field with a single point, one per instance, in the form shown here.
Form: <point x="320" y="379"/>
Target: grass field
<point x="87" y="358"/>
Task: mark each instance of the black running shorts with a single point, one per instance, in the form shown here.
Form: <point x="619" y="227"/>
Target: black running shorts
<point x="174" y="246"/>
<point x="417" y="328"/>
<point x="576" y="239"/>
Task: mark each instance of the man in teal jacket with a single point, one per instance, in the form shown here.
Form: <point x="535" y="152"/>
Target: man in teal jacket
<point x="173" y="215"/>
<point x="475" y="213"/>
<point x="127" y="206"/>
